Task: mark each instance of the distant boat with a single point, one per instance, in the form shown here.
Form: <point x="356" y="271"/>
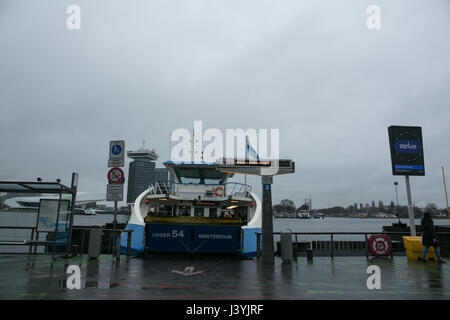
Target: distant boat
<point x="90" y="212"/>
<point x="304" y="215"/>
<point x="303" y="212"/>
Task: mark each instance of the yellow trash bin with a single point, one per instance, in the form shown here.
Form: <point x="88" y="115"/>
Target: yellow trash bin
<point x="414" y="249"/>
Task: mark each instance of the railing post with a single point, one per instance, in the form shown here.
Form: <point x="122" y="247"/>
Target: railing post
<point x="296" y="245"/>
<point x="367" y="246"/>
<point x="37" y="239"/>
<point x="258" y="246"/>
<point x="82" y="242"/>
<point x="32" y="238"/>
<point x="332" y="245"/>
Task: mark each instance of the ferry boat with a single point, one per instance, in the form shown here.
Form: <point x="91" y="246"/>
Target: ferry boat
<point x="199" y="212"/>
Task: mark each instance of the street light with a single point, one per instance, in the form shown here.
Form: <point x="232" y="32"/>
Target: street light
<point x="396" y="194"/>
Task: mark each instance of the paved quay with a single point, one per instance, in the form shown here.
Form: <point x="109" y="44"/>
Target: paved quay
<point x="221" y="278"/>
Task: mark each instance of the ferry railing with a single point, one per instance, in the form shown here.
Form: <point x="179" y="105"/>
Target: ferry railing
<point x="331" y="242"/>
<point x="170" y="188"/>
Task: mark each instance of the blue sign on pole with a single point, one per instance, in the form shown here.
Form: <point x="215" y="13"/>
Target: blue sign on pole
<point x="116" y="153"/>
<point x="116" y="149"/>
<point x="266" y="187"/>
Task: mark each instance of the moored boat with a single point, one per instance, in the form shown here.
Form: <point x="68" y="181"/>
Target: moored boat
<point x="199" y="212"/>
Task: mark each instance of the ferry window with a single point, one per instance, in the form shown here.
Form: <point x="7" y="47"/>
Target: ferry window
<point x="212" y="181"/>
<point x="213" y="212"/>
<point x="199" y="212"/>
<point x="199" y="181"/>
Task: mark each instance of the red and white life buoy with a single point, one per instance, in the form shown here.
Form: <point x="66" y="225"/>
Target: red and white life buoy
<point x="380" y="245"/>
<point x="218" y="191"/>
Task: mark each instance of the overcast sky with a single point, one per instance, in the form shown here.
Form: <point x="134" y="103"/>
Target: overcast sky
<point x="140" y="69"/>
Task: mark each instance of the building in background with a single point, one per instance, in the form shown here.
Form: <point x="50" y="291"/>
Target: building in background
<point x="141" y="172"/>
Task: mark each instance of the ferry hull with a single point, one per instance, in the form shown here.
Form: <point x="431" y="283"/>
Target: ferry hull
<point x="193" y="238"/>
<point x="231" y="239"/>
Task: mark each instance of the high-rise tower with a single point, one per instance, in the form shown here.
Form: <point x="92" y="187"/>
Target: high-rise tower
<point x="141" y="171"/>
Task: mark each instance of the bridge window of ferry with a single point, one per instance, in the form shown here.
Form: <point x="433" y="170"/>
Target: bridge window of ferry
<point x="199" y="212"/>
<point x="213" y="212"/>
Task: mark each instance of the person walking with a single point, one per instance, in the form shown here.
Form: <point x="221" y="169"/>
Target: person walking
<point x="429" y="237"/>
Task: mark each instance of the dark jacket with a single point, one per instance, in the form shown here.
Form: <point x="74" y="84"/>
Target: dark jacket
<point x="428" y="232"/>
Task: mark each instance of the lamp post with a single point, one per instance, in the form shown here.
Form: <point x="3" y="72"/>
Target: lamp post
<point x="396" y="194"/>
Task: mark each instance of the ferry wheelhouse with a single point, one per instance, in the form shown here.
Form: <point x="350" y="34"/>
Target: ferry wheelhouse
<point x="198" y="212"/>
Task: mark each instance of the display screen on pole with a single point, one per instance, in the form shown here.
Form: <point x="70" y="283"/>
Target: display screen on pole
<point x="406" y="150"/>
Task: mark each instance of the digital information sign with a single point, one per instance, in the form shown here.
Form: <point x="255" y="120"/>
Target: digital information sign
<point x="406" y="151"/>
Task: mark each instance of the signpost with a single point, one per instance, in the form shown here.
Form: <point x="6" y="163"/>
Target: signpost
<point x="116" y="178"/>
<point x="267" y="220"/>
<point x="407" y="159"/>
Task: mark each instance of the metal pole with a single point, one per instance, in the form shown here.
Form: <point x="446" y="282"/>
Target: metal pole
<point x="73" y="186"/>
<point x="396" y="195"/>
<point x="57" y="222"/>
<point x="128" y="243"/>
<point x="445" y="189"/>
<point x="113" y="237"/>
<point x="258" y="246"/>
<point x="267" y="221"/>
<point x="412" y="224"/>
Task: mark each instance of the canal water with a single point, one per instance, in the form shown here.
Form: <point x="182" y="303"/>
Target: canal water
<point x="279" y="225"/>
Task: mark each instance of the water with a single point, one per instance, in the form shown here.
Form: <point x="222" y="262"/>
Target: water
<point x="340" y="225"/>
<point x="279" y="225"/>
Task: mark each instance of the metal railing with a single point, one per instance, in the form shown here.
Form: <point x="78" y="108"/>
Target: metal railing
<point x="332" y="244"/>
<point x="206" y="191"/>
<point x="27" y="242"/>
<point x="117" y="236"/>
<point x="36" y="242"/>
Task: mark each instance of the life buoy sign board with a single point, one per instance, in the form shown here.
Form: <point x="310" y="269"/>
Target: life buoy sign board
<point x="380" y="245"/>
<point x="218" y="191"/>
<point x="116" y="176"/>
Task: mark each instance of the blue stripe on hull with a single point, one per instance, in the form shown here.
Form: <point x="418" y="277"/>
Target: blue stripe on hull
<point x="137" y="239"/>
<point x="249" y="249"/>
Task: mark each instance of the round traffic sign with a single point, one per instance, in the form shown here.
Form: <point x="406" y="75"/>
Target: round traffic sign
<point x="115" y="175"/>
<point x="116" y="149"/>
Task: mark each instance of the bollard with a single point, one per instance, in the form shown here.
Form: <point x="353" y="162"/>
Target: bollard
<point x="286" y="246"/>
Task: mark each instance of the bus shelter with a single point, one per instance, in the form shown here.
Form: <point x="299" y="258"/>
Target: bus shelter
<point x="54" y="215"/>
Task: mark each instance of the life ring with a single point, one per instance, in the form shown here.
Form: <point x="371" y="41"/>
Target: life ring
<point x="380" y="245"/>
<point x="217" y="193"/>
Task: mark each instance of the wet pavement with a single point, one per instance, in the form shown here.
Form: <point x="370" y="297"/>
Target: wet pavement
<point x="221" y="278"/>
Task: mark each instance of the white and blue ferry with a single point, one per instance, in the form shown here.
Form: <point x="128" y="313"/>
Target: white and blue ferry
<point x="199" y="212"/>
